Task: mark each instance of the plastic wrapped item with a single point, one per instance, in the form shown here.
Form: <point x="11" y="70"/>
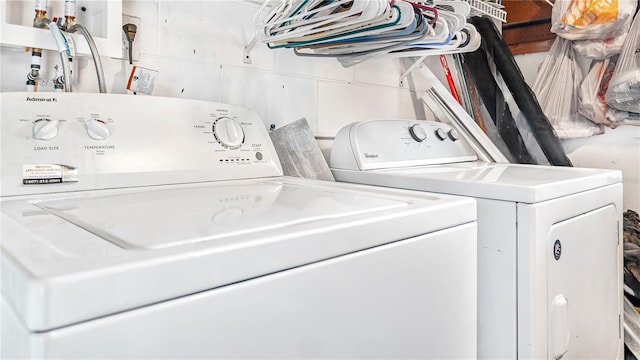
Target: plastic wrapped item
<point x="623" y="117"/>
<point x="591" y="19"/>
<point x="600" y="49"/>
<point x="591" y="101"/>
<point x="556" y="88"/>
<point x="624" y="88"/>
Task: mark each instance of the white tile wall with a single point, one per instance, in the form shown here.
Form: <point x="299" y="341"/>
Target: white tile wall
<point x="279" y="99"/>
<point x="343" y="103"/>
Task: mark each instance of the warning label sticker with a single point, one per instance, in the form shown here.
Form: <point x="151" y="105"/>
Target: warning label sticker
<point x="37" y="174"/>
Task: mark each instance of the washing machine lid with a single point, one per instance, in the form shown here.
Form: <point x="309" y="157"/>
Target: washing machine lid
<point x="509" y="182"/>
<point x="68" y="258"/>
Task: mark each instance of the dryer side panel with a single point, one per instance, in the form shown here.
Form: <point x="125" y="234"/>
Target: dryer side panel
<point x="497" y="287"/>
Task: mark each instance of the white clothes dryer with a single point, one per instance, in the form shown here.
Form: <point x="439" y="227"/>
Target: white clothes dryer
<point x="549" y="253"/>
<point x="147" y="227"/>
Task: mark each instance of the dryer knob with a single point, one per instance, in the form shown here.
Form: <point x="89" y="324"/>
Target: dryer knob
<point x="417" y="133"/>
<point x="453" y="135"/>
<point x="441" y="134"/>
<point x="45" y="129"/>
<point x="228" y="132"/>
<point x="97" y="129"/>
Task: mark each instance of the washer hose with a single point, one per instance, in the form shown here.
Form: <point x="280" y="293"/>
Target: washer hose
<point x="94" y="54"/>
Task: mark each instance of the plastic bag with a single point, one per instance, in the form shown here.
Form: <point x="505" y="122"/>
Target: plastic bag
<point x="591" y="19"/>
<point x="591" y="101"/>
<point x="623" y="117"/>
<point x="600" y="49"/>
<point x="624" y="88"/>
<point x="556" y="88"/>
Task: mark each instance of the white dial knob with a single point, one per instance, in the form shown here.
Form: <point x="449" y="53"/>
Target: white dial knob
<point x="97" y="129"/>
<point x="441" y="134"/>
<point x="417" y="133"/>
<point x="228" y="132"/>
<point x="453" y="135"/>
<point x="45" y="129"/>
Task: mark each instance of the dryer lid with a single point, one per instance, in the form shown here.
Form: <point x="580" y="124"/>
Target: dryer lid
<point x="509" y="182"/>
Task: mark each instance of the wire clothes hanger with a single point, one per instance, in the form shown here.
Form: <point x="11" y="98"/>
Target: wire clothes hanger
<point x="354" y="31"/>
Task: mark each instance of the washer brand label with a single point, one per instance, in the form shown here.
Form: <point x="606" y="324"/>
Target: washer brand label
<point x="557" y="249"/>
<point x="38" y="174"/>
<point x="370" y="156"/>
<point x="41" y="99"/>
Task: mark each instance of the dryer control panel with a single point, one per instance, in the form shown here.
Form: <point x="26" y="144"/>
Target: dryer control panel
<point x="378" y="144"/>
<point x="55" y="142"/>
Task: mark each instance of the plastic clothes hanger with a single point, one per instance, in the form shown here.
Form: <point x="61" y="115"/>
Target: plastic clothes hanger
<point x="326" y="15"/>
<point x="405" y="27"/>
<point x="432" y="13"/>
<point x="313" y="32"/>
<point x="356" y="48"/>
<point x="388" y="21"/>
<point x="354" y="31"/>
<point x="470" y="41"/>
<point x="387" y="17"/>
<point x="294" y="10"/>
<point x="354" y="12"/>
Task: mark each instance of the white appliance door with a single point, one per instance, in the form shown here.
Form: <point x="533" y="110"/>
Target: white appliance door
<point x="571" y="307"/>
<point x="583" y="310"/>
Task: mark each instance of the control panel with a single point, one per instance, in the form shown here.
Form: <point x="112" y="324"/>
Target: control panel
<point x="380" y="144"/>
<point x="77" y="141"/>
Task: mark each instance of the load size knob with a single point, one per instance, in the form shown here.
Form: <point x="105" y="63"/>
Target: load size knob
<point x="417" y="133"/>
<point x="228" y="132"/>
<point x="45" y="129"/>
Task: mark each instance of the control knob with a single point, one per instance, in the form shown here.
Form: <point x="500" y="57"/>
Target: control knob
<point x="417" y="133"/>
<point x="97" y="129"/>
<point x="453" y="135"/>
<point x="441" y="134"/>
<point x="45" y="129"/>
<point x="228" y="132"/>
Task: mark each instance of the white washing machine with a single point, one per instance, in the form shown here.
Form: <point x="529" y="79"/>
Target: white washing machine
<point x="147" y="227"/>
<point x="549" y="253"/>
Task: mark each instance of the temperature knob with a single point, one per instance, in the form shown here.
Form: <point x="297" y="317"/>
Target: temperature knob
<point x="97" y="129"/>
<point x="228" y="132"/>
<point x="417" y="133"/>
<point x="45" y="129"/>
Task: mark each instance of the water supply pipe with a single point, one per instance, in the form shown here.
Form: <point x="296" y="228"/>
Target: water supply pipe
<point x="94" y="54"/>
<point x="32" y="76"/>
<point x="41" y="21"/>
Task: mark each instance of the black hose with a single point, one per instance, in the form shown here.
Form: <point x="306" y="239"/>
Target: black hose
<point x="524" y="97"/>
